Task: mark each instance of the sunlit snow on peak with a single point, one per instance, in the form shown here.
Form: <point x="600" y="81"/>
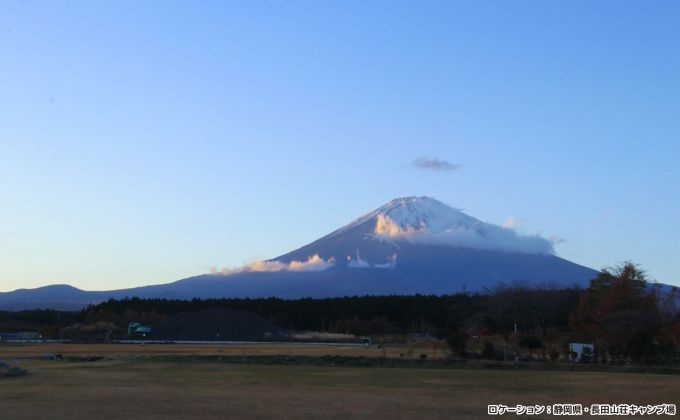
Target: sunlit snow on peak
<point x="428" y="221"/>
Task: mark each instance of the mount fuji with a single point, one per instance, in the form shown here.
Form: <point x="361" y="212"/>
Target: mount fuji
<point x="410" y="245"/>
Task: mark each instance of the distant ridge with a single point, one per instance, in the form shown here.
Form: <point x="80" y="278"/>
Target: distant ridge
<point x="407" y="246"/>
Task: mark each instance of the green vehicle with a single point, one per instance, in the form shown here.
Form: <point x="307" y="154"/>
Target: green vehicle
<point x="135" y="329"/>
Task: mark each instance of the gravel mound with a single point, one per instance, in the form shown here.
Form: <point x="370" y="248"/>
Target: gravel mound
<point x="215" y="324"/>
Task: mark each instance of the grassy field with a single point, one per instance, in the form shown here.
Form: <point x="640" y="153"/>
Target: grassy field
<point x="133" y="383"/>
<point x="135" y="350"/>
<point x="127" y="350"/>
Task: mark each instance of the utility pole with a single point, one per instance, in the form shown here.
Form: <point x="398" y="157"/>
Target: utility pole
<point x="385" y="336"/>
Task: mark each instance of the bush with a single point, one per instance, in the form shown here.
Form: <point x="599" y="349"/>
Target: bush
<point x="456" y="342"/>
<point x="488" y="352"/>
<point x="530" y="342"/>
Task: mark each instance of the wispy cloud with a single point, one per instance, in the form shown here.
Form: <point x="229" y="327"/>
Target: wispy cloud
<point x="359" y="263"/>
<point x="486" y="236"/>
<point x="556" y="239"/>
<point x="313" y="263"/>
<point x="510" y="222"/>
<point x="435" y="164"/>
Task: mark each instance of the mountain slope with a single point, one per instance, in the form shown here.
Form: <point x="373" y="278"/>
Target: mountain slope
<point x="422" y="221"/>
<point x="410" y="245"/>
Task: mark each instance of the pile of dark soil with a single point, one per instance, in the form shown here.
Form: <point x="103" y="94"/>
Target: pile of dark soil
<point x="215" y="324"/>
<point x="12" y="371"/>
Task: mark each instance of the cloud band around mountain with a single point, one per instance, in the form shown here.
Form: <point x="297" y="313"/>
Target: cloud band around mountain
<point x="492" y="237"/>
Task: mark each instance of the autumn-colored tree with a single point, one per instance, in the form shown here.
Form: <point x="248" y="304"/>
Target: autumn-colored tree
<point x="620" y="312"/>
<point x="669" y="335"/>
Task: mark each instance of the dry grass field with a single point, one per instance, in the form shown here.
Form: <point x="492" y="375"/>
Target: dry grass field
<point x="135" y="382"/>
<point x="32" y="351"/>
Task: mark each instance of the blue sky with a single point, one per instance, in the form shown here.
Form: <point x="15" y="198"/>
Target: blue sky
<point x="143" y="142"/>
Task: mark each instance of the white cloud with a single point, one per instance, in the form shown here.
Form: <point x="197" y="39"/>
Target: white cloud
<point x="479" y="236"/>
<point x="359" y="263"/>
<point x="510" y="222"/>
<point x="391" y="262"/>
<point x="556" y="239"/>
<point x="384" y="226"/>
<point x="313" y="263"/>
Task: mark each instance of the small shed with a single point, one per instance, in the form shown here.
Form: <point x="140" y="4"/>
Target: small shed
<point x="582" y="352"/>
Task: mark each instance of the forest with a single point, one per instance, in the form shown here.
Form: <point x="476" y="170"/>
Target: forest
<point x="627" y="317"/>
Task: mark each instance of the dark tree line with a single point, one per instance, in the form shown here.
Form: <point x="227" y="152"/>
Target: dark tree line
<point x="437" y="315"/>
<point x="626" y="317"/>
<point x="46" y="321"/>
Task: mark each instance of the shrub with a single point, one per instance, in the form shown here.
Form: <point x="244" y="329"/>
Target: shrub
<point x="489" y="352"/>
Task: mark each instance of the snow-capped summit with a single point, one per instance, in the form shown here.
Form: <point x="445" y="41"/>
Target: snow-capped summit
<point x="428" y="221"/>
<point x="414" y="214"/>
<point x="425" y="214"/>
